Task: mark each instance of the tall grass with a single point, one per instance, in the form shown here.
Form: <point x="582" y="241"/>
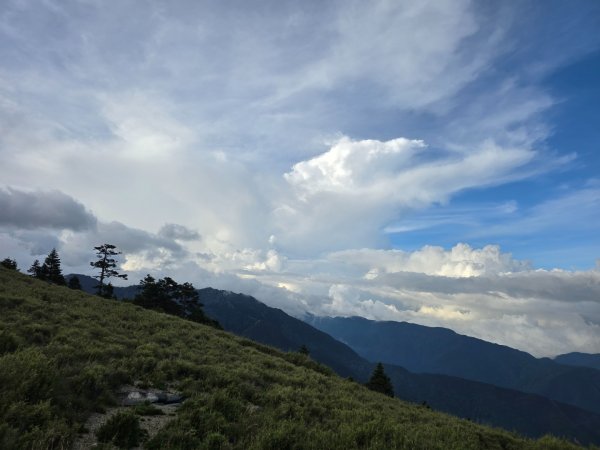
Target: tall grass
<point x="63" y="354"/>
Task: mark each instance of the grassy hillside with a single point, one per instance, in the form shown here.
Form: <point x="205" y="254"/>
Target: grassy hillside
<point x="64" y="353"/>
<point x="529" y="414"/>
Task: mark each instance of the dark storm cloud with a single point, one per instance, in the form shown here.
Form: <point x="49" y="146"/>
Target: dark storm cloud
<point x="135" y="240"/>
<point x="43" y="209"/>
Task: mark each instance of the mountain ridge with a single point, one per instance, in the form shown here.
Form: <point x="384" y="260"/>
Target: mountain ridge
<point x="437" y="350"/>
<point x="530" y="414"/>
<point x="591" y="360"/>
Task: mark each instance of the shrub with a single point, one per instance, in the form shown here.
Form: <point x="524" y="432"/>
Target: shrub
<point x="8" y="342"/>
<point x="147" y="409"/>
<point x="122" y="429"/>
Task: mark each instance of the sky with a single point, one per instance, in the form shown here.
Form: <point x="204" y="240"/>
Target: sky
<point x="429" y="161"/>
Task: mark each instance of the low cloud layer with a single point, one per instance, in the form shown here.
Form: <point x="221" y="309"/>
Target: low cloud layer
<point x="482" y="292"/>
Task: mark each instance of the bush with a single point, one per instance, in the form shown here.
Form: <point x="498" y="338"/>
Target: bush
<point x="147" y="409"/>
<point x="8" y="342"/>
<point x="122" y="429"/>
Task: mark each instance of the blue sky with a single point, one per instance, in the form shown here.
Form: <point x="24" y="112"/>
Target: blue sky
<point x="430" y="161"/>
<point x="573" y="243"/>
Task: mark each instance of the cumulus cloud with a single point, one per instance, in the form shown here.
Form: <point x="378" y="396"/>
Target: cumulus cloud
<point x="460" y="261"/>
<point x="354" y="167"/>
<point x="43" y="209"/>
<point x="356" y="187"/>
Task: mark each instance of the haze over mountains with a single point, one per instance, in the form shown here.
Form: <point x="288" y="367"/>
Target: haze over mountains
<point x="439" y="350"/>
<point x="512" y="409"/>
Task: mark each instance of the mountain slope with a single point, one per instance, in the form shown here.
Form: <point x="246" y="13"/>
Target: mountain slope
<point x="246" y="316"/>
<point x="580" y="360"/>
<point x="441" y="351"/>
<point x="529" y="414"/>
<point x="63" y="354"/>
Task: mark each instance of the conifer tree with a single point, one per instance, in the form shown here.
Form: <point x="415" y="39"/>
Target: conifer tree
<point x="380" y="382"/>
<point x="35" y="270"/>
<point x="51" y="270"/>
<point x="9" y="263"/>
<point x="168" y="296"/>
<point x="109" y="291"/>
<point x="106" y="264"/>
<point x="304" y="350"/>
<point x="74" y="283"/>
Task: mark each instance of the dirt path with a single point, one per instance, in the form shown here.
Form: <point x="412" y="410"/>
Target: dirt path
<point x="151" y="424"/>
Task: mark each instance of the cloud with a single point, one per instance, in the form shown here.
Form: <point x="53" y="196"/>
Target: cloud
<point x="348" y="194"/>
<point x="480" y="292"/>
<point x="219" y="116"/>
<point x="43" y="209"/>
<point x="178" y="232"/>
<point x="459" y="262"/>
<point x="353" y="167"/>
<point x="554" y="214"/>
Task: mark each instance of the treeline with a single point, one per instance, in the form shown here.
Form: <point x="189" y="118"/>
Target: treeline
<point x="164" y="295"/>
<point x="170" y="297"/>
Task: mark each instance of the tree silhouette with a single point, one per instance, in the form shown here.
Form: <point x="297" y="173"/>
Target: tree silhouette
<point x="155" y="295"/>
<point x="51" y="270"/>
<point x="106" y="264"/>
<point x="109" y="291"/>
<point x="380" y="382"/>
<point x="9" y="263"/>
<point x="170" y="297"/>
<point x="304" y="350"/>
<point x="35" y="270"/>
<point x="74" y="283"/>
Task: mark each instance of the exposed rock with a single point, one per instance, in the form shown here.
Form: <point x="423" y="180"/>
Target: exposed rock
<point x="131" y="396"/>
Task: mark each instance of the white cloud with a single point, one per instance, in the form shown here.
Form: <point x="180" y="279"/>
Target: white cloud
<point x="458" y="262"/>
<point x="352" y="167"/>
<point x="478" y="292"/>
<point x="348" y="194"/>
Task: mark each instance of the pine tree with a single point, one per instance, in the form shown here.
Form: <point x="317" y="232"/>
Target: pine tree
<point x="107" y="265"/>
<point x="380" y="382"/>
<point x="35" y="270"/>
<point x="74" y="282"/>
<point x="168" y="296"/>
<point x="159" y="295"/>
<point x="9" y="263"/>
<point x="109" y="291"/>
<point x="304" y="350"/>
<point x="51" y="270"/>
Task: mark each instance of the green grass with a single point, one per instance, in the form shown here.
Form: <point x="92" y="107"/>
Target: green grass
<point x="64" y="353"/>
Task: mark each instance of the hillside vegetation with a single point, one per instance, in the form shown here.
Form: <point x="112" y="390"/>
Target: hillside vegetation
<point x="63" y="355"/>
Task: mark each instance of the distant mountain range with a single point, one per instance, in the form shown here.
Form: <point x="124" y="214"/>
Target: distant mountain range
<point x="579" y="360"/>
<point x="424" y="349"/>
<point x="530" y="414"/>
